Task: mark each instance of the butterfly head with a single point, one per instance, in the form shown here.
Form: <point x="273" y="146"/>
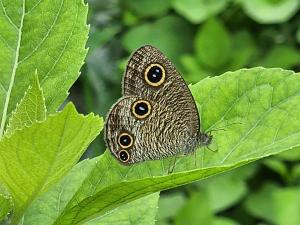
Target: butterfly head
<point x="205" y="139"/>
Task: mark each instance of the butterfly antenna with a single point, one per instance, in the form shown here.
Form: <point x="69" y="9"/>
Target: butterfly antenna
<point x="223" y="128"/>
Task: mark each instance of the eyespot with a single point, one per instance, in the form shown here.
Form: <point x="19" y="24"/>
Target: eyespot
<point x="141" y="109"/>
<point x="123" y="156"/>
<point x="125" y="140"/>
<point x="155" y="74"/>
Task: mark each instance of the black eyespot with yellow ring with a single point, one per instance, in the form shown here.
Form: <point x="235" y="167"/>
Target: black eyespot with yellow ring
<point x="124" y="156"/>
<point x="125" y="140"/>
<point x="141" y="109"/>
<point x="155" y="74"/>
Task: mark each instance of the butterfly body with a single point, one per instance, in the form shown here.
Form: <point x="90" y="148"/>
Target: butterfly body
<point x="157" y="116"/>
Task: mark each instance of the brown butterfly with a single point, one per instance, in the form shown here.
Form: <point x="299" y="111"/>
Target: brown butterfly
<point x="157" y="116"/>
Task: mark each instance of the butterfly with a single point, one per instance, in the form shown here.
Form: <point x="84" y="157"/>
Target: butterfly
<point x="157" y="116"/>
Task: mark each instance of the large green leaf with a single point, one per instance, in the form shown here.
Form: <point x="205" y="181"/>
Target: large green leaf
<point x="31" y="108"/>
<point x="260" y="109"/>
<point x="45" y="35"/>
<point x="270" y="11"/>
<point x="46" y="208"/>
<point x="41" y="154"/>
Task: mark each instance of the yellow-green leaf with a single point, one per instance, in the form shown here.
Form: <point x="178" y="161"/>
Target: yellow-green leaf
<point x="30" y="110"/>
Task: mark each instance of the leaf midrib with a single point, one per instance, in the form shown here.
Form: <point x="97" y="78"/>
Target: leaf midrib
<point x="12" y="80"/>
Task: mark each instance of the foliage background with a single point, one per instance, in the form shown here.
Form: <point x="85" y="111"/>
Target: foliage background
<point x="202" y="38"/>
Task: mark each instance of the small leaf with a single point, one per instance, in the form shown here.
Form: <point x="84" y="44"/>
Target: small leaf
<point x="225" y="190"/>
<point x="193" y="70"/>
<point x="243" y="51"/>
<point x="298" y="35"/>
<point x="163" y="33"/>
<point x="41" y="154"/>
<point x="30" y="110"/>
<point x="277" y="166"/>
<point x="6" y="203"/>
<point x="276" y="205"/>
<point x="295" y="173"/>
<point x="172" y="201"/>
<point x="225" y="221"/>
<point x="146" y="8"/>
<point x="197" y="11"/>
<point x="270" y="11"/>
<point x="289" y="57"/>
<point x="291" y="155"/>
<point x="46" y="35"/>
<point x="213" y="44"/>
<point x="190" y="212"/>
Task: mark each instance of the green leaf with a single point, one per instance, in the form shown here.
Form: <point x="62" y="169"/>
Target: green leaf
<point x="146" y="8"/>
<point x="283" y="56"/>
<point x="172" y="201"/>
<point x="163" y="34"/>
<point x="47" y="206"/>
<point x="277" y="166"/>
<point x="103" y="89"/>
<point x="227" y="189"/>
<point x="295" y="173"/>
<point x="263" y="104"/>
<point x="30" y="110"/>
<point x="198" y="202"/>
<point x="45" y="35"/>
<point x="224" y="221"/>
<point x="276" y="205"/>
<point x="291" y="155"/>
<point x="213" y="44"/>
<point x="141" y="211"/>
<point x="298" y="35"/>
<point x="243" y="50"/>
<point x="41" y="154"/>
<point x="44" y="210"/>
<point x="193" y="71"/>
<point x="6" y="203"/>
<point x="197" y="11"/>
<point x="99" y="38"/>
<point x="270" y="11"/>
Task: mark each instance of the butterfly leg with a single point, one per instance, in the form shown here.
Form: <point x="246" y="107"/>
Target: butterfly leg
<point x="195" y="158"/>
<point x="213" y="150"/>
<point x="171" y="168"/>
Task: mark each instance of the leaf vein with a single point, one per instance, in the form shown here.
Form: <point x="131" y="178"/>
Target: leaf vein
<point x="245" y="136"/>
<point x="45" y="37"/>
<point x="7" y="17"/>
<point x="12" y="80"/>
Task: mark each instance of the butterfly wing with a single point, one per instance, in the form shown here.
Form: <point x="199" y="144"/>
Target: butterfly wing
<point x="173" y="121"/>
<point x="173" y="90"/>
<point x="160" y="135"/>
